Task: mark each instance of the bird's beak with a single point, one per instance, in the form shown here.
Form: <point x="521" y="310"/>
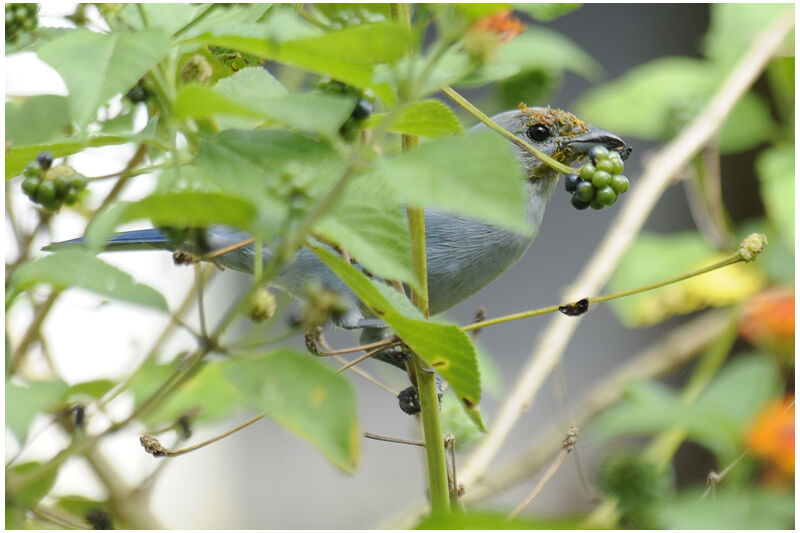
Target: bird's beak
<point x="583" y="143"/>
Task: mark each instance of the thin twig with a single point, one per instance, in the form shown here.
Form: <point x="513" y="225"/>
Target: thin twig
<point x="32" y="333"/>
<point x="396" y="440"/>
<point x="359" y="359"/>
<point x="222" y="251"/>
<point x="153" y="447"/>
<point x="201" y="308"/>
<point x="386" y="343"/>
<point x="368" y="377"/>
<point x="624" y="229"/>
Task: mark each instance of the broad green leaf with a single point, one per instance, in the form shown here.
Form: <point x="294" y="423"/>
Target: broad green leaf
<point x="249" y="85"/>
<point x="29" y="496"/>
<point x="655" y="100"/>
<point x="23" y="403"/>
<point x="78" y="269"/>
<point x="444" y="347"/>
<point x="483" y="520"/>
<point x="733" y="27"/>
<point x="546" y="12"/>
<point x="775" y="168"/>
<point x="81" y="505"/>
<point x="654" y="258"/>
<point x="168" y="17"/>
<point x="96" y="388"/>
<point x="731" y="508"/>
<point x="316" y="113"/>
<point x="180" y="209"/>
<point x="116" y="62"/>
<point x="474" y="175"/>
<point x="429" y="118"/>
<point x="354" y="13"/>
<point x="536" y="48"/>
<point x="370" y="223"/>
<point x="205" y="397"/>
<point x="37" y="120"/>
<point x="348" y="55"/>
<point x="305" y="396"/>
<point x="19" y="156"/>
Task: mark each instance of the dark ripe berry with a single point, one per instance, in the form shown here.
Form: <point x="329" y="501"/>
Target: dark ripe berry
<point x="138" y="93"/>
<point x="587" y="171"/>
<point x="45" y="160"/>
<point x="620" y="184"/>
<point x="362" y="110"/>
<point x="597" y="206"/>
<point x="601" y="179"/>
<point x="606" y="196"/>
<point x="584" y="191"/>
<point x="30" y="185"/>
<point x="71" y="197"/>
<point x="606" y="165"/>
<point x="46" y="192"/>
<point x="571" y="182"/>
<point x="577" y="203"/>
<point x="597" y="153"/>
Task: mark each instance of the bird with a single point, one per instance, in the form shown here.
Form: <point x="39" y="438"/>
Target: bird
<point x="463" y="255"/>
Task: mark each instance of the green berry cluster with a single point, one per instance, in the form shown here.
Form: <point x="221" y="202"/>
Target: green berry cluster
<point x="599" y="183"/>
<point x="51" y="187"/>
<point x="20" y="18"/>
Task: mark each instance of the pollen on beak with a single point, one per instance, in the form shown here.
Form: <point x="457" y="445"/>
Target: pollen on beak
<point x="595" y="136"/>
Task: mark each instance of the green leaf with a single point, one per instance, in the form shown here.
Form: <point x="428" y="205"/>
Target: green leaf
<point x="546" y="12"/>
<point x="477" y="519"/>
<point x="166" y="16"/>
<point x="37" y="120"/>
<point x="429" y="118"/>
<point x="656" y="100"/>
<point x="733" y="27"/>
<point x="95" y="389"/>
<point x="775" y="168"/>
<point x="370" y="223"/>
<point x="249" y="85"/>
<point x="19" y="156"/>
<point x="536" y="48"/>
<point x="655" y="257"/>
<point x="68" y="269"/>
<point x="747" y="508"/>
<point x="305" y="396"/>
<point x="28" y="497"/>
<point x="474" y="175"/>
<point x="348" y="55"/>
<point x="115" y="61"/>
<point x="206" y="397"/>
<point x="180" y="210"/>
<point x="23" y="403"/>
<point x="444" y="347"/>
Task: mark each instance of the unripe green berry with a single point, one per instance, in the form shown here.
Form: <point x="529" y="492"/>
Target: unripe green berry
<point x="606" y="165"/>
<point x="261" y="306"/>
<point x="32" y="169"/>
<point x="585" y="191"/>
<point x="606" y="196"/>
<point x="78" y="181"/>
<point x="619" y="166"/>
<point x="598" y="153"/>
<point x="72" y="196"/>
<point x="620" y="184"/>
<point x="601" y="179"/>
<point x="46" y="192"/>
<point x="587" y="171"/>
<point x="30" y="185"/>
<point x="62" y="184"/>
<point x="597" y="206"/>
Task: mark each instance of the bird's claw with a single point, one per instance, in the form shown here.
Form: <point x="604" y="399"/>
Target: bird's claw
<point x="409" y="398"/>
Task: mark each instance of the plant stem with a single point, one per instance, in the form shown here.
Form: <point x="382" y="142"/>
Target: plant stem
<point x="494" y="126"/>
<point x="735" y="258"/>
<point x="195" y="20"/>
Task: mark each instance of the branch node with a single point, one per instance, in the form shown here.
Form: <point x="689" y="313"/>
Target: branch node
<point x="152" y="446"/>
<point x="571" y="439"/>
<point x="183" y="257"/>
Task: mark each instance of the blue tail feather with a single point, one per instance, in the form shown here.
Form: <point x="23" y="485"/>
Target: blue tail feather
<point x="144" y="239"/>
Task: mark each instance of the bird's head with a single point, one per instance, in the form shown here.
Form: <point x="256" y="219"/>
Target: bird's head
<point x="559" y="134"/>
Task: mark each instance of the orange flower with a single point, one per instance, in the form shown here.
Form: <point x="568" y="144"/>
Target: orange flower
<point x="771" y="436"/>
<point x="503" y="24"/>
<point x="768" y="322"/>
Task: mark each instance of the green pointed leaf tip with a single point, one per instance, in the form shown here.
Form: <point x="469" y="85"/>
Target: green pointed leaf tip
<point x="430" y="118"/>
<point x="116" y="61"/>
<point x="656" y="100"/>
<point x="305" y="396"/>
<point x="473" y="175"/>
<point x="443" y="347"/>
<point x="78" y="269"/>
<point x="775" y="167"/>
<point x="181" y="209"/>
<point x="370" y="223"/>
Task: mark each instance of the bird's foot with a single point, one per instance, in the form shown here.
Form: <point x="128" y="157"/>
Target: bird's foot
<point x="409" y="398"/>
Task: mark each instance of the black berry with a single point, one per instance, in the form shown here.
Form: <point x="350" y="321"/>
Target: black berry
<point x="45" y="160"/>
<point x="571" y="182"/>
<point x="579" y="204"/>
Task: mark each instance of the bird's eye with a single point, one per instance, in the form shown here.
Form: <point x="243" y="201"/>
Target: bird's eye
<point x="538" y="133"/>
